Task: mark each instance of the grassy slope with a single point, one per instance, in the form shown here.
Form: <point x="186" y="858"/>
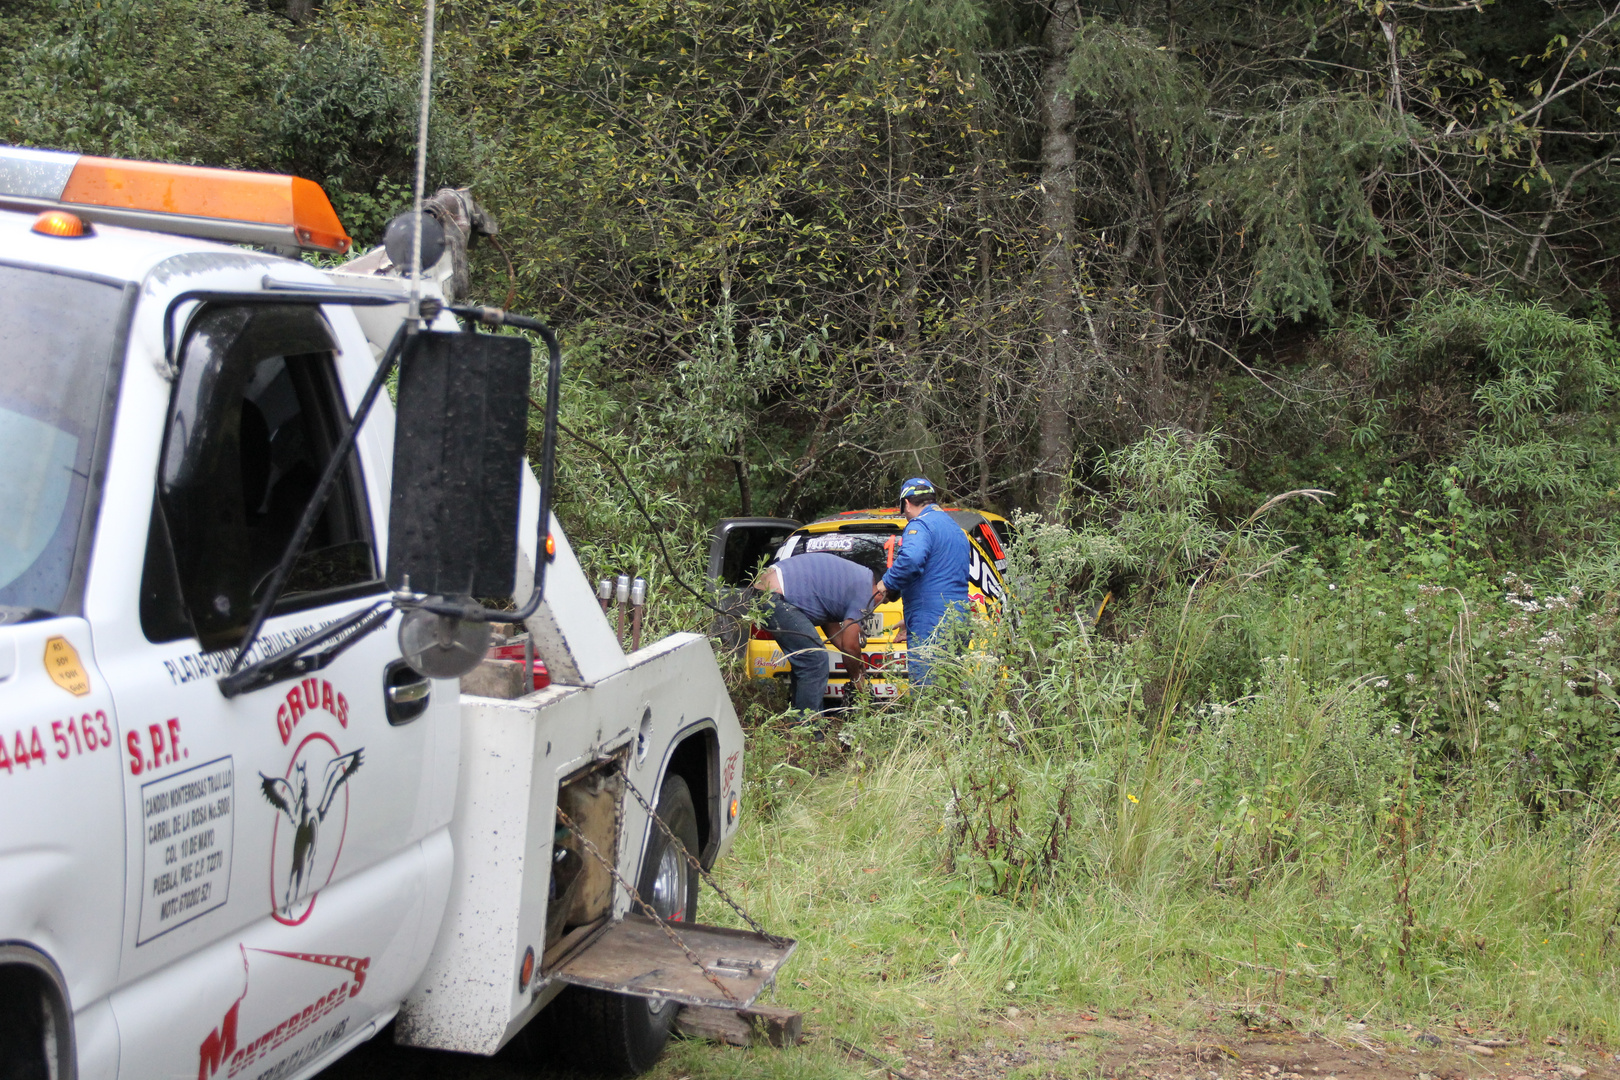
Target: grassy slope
<point x="850" y="862"/>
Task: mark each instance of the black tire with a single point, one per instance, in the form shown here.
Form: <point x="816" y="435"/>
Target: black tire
<point x="617" y="1035"/>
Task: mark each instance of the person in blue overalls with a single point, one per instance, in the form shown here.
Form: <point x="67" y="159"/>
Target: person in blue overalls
<point x="929" y="572"/>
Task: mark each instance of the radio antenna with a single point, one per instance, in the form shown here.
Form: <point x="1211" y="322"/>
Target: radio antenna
<point x="415" y="315"/>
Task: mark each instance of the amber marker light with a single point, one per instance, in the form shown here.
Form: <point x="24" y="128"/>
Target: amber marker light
<point x="551" y="546"/>
<point x="526" y="972"/>
<point x="62" y="224"/>
<point x="736" y="806"/>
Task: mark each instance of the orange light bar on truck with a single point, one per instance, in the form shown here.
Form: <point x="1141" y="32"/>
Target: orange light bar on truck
<point x="267" y="209"/>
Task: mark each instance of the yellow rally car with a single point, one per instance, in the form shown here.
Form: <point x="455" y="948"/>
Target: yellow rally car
<point x="741" y="547"/>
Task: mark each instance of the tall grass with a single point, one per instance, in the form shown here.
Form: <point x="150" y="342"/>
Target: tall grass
<point x="1285" y="860"/>
<point x="1511" y="921"/>
<point x="1235" y="800"/>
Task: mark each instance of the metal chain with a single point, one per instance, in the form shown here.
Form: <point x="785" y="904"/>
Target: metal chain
<point x="769" y="937"/>
<point x="596" y="854"/>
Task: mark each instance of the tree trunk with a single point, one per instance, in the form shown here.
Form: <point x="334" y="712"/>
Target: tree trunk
<point x="918" y="438"/>
<point x="981" y="331"/>
<point x="745" y="487"/>
<point x="1151" y="185"/>
<point x="1055" y="354"/>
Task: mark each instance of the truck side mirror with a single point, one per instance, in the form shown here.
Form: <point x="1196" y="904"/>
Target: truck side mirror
<point x="461" y="420"/>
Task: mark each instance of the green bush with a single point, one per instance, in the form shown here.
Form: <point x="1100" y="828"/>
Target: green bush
<point x="169" y="80"/>
<point x="223" y="83"/>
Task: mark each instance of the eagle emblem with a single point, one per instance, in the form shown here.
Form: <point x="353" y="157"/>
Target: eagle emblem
<point x="305" y="815"/>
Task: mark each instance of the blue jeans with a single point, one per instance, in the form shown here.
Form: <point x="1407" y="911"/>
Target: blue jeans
<point x="806" y="653"/>
<point x="936" y="634"/>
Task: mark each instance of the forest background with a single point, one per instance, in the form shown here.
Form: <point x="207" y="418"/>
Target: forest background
<point x="1286" y="325"/>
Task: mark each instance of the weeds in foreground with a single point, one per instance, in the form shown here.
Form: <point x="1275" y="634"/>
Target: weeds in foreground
<point x="1248" y="797"/>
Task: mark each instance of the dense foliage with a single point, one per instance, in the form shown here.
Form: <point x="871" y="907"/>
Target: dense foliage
<point x="814" y="245"/>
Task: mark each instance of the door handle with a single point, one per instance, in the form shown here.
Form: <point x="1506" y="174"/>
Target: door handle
<point x="405" y="693"/>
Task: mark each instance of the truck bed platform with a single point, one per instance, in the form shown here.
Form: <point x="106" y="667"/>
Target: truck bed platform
<point x="634" y="956"/>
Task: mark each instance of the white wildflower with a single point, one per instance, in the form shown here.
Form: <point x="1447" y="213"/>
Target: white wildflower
<point x="1411" y="679"/>
<point x="1381" y="684"/>
<point x="1493" y="706"/>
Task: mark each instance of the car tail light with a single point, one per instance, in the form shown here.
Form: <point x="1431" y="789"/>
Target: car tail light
<point x="542" y="677"/>
<point x="989" y="535"/>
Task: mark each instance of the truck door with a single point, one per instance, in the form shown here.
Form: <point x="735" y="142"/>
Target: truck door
<point x="274" y="839"/>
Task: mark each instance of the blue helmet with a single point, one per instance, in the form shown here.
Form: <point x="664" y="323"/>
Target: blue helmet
<point x="918" y="487"/>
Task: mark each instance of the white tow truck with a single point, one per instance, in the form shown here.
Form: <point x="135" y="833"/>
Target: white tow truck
<point x="240" y="866"/>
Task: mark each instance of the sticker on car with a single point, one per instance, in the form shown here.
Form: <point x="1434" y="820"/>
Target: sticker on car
<point x="980" y="574"/>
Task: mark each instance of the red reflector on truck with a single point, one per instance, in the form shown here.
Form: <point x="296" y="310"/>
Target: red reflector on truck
<point x="542" y="677"/>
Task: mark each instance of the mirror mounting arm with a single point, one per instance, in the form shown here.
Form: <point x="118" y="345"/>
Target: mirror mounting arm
<point x="295" y="661"/>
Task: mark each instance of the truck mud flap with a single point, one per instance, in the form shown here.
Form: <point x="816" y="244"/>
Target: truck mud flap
<point x="636" y="957"/>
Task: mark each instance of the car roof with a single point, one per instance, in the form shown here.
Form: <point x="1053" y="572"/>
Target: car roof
<point x="110" y="252"/>
<point x="887" y="518"/>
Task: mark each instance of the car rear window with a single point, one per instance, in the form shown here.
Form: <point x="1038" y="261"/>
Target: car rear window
<point x="873" y="550"/>
<point x="57" y="335"/>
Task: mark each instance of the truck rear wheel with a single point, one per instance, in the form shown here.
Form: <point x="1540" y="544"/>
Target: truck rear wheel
<point x="616" y="1034"/>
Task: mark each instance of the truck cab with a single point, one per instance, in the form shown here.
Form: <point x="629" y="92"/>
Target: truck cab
<point x="199" y="883"/>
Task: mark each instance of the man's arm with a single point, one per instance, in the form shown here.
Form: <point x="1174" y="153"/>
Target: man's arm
<point x="908" y="563"/>
<point x="847" y="640"/>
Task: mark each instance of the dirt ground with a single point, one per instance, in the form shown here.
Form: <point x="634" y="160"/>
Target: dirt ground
<point x="1086" y="1045"/>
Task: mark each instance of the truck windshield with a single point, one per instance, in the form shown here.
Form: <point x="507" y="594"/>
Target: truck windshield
<point x="56" y="355"/>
